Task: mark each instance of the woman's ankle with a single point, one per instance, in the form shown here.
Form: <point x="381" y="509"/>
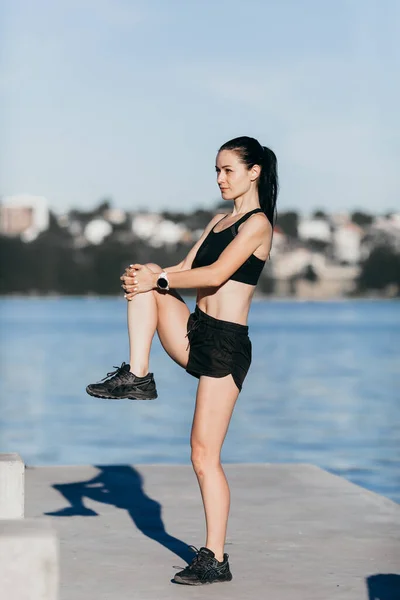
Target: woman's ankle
<point x="219" y="554"/>
<point x="138" y="370"/>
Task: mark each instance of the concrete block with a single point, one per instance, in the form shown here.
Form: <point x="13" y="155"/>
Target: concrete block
<point x="29" y="560"/>
<point x="12" y="471"/>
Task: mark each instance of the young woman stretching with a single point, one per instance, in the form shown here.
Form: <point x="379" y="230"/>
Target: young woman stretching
<point x="212" y="343"/>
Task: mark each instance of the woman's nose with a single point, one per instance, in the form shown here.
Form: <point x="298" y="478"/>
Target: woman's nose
<point x="220" y="178"/>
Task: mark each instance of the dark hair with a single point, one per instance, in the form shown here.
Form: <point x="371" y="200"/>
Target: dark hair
<point x="252" y="153"/>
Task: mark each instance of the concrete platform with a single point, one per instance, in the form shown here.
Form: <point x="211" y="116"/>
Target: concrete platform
<point x="29" y="561"/>
<point x="296" y="532"/>
<point x="12" y="470"/>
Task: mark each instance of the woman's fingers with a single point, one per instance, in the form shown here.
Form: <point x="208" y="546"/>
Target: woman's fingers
<point x="129" y="289"/>
<point x="130" y="283"/>
<point x="129" y="271"/>
<point x="128" y="280"/>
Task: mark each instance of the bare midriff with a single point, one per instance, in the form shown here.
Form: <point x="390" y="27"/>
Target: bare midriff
<point x="229" y="302"/>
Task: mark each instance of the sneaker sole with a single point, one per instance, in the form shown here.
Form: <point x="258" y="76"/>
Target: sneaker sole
<point x="178" y="579"/>
<point x="138" y="397"/>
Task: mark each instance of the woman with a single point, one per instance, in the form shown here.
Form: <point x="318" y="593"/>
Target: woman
<point x="212" y="343"/>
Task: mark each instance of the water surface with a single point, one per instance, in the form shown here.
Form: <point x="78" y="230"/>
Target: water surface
<point x="322" y="389"/>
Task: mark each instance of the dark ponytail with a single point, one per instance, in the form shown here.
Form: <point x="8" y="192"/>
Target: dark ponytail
<point x="252" y="153"/>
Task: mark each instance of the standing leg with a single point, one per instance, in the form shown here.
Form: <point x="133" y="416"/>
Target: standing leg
<point x="215" y="401"/>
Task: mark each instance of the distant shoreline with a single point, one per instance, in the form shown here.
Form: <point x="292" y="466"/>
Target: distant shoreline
<point x="256" y="298"/>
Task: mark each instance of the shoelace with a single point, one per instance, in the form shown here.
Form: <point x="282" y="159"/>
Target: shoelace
<point x="115" y="374"/>
<point x="199" y="560"/>
<point x="195" y="560"/>
<point x="197" y="557"/>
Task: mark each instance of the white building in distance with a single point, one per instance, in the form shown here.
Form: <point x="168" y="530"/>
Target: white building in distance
<point x="158" y="231"/>
<point x="96" y="230"/>
<point x="314" y="229"/>
<point x="24" y="215"/>
<point x="347" y="243"/>
<point x="144" y="225"/>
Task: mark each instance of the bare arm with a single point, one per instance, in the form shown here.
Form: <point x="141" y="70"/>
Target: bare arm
<point x="184" y="265"/>
<point x="174" y="268"/>
<point x="250" y="237"/>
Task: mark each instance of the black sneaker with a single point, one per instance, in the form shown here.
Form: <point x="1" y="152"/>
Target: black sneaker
<point x="122" y="383"/>
<point x="204" y="568"/>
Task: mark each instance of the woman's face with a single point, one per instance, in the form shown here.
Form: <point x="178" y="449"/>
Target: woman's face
<point x="233" y="177"/>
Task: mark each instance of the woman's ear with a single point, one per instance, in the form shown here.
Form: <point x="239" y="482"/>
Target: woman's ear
<point x="255" y="172"/>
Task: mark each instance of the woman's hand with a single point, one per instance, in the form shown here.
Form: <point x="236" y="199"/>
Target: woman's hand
<point x="138" y="279"/>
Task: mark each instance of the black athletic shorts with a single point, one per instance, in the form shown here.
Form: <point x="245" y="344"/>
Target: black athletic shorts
<point x="217" y="348"/>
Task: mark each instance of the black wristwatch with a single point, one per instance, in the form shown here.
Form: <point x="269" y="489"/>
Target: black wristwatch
<point x="162" y="281"/>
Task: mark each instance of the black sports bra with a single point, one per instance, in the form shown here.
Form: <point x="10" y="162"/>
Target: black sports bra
<point x="217" y="241"/>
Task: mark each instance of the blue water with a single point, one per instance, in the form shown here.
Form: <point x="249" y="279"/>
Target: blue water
<point x="323" y="388"/>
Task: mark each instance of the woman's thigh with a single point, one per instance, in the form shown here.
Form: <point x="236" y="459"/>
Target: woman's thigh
<point x="215" y="401"/>
<point x="173" y="316"/>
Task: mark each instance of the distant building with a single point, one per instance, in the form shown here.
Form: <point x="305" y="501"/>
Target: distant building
<point x="96" y="230"/>
<point x="347" y="243"/>
<point x="14" y="220"/>
<point x="279" y="241"/>
<point x="339" y="219"/>
<point x="24" y="215"/>
<point x="158" y="231"/>
<point x="116" y="216"/>
<point x="144" y="225"/>
<point x="167" y="232"/>
<point x="314" y="229"/>
<point x="289" y="271"/>
<point x="291" y="264"/>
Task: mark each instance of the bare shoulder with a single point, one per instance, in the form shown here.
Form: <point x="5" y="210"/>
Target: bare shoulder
<point x="214" y="221"/>
<point x="211" y="224"/>
<point x="257" y="224"/>
<point x="218" y="217"/>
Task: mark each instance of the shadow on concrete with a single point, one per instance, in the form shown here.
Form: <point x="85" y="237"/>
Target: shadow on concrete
<point x="383" y="586"/>
<point x="121" y="486"/>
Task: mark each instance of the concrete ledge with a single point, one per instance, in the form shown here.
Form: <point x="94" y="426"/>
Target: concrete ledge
<point x="28" y="560"/>
<point x="12" y="471"/>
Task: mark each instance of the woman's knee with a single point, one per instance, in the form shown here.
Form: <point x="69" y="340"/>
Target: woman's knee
<point x="203" y="458"/>
<point x="153" y="267"/>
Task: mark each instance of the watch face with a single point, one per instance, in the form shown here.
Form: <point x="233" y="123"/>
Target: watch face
<point x="163" y="283"/>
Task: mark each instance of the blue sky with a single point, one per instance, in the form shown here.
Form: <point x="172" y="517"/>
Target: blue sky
<point x="131" y="100"/>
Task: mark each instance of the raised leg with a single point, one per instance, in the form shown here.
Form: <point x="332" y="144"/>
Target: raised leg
<point x="164" y="312"/>
<point x="215" y="401"/>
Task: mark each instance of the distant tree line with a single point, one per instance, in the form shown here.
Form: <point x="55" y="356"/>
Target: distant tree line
<point x="380" y="270"/>
<point x="53" y="264"/>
